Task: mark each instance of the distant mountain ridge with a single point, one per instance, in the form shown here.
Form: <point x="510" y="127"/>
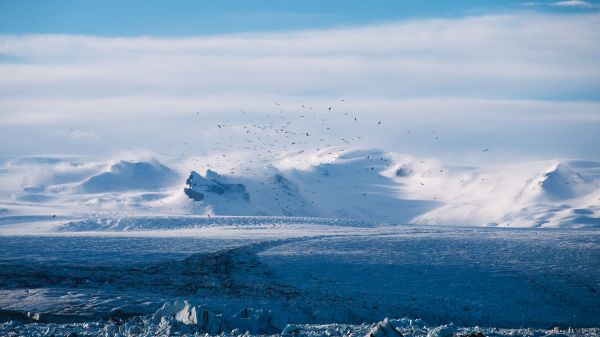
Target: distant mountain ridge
<point x="362" y="184"/>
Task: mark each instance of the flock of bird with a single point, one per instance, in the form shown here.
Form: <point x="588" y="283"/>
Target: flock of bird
<point x="288" y="132"/>
<point x="285" y="132"/>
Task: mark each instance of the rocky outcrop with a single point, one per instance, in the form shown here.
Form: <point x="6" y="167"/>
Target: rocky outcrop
<point x="198" y="187"/>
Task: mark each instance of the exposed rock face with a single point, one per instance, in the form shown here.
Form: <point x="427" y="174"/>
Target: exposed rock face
<point x="199" y="187"/>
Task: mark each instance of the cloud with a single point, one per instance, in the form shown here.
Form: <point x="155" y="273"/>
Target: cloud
<point x="448" y="72"/>
<point x="79" y="134"/>
<point x="505" y="56"/>
<point x="573" y="3"/>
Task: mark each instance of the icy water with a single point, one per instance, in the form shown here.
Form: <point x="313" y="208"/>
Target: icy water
<point x="487" y="277"/>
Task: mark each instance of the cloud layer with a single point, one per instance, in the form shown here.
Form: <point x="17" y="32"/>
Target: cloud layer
<point x="515" y="67"/>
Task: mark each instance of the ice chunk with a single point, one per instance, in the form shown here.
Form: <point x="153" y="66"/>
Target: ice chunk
<point x="443" y="331"/>
<point x="187" y="314"/>
<point x="384" y="329"/>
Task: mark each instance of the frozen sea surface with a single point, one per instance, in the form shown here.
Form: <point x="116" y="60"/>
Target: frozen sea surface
<point x="504" y="278"/>
<point x="507" y="278"/>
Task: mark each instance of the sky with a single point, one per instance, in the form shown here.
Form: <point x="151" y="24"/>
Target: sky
<point x="445" y="78"/>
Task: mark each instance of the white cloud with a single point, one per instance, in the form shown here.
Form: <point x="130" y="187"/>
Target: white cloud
<point x="79" y="134"/>
<point x="508" y="56"/>
<point x="573" y="3"/>
<point x="449" y="71"/>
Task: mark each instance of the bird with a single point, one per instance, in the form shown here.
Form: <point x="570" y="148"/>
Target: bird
<point x="485" y="150"/>
<point x="330" y="108"/>
<point x="379" y="123"/>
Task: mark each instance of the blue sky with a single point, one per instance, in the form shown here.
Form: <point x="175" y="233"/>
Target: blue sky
<point x="98" y="77"/>
<point x="187" y="17"/>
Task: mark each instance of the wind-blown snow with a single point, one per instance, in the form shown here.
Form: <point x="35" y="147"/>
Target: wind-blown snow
<point x="130" y="176"/>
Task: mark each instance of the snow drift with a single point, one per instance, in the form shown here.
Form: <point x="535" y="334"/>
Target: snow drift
<point x="128" y="176"/>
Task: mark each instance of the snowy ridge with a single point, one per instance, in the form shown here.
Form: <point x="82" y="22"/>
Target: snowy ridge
<point x="128" y="176"/>
<point x="141" y="223"/>
<point x="539" y="194"/>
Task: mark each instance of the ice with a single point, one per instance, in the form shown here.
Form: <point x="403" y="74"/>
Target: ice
<point x="143" y="326"/>
<point x="313" y="244"/>
<point x="199" y="317"/>
<point x="443" y="331"/>
<point x="300" y="274"/>
<point x="385" y="329"/>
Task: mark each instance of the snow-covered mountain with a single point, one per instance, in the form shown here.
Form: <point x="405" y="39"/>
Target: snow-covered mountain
<point x="377" y="186"/>
<point x="130" y="176"/>
<point x="352" y="184"/>
<point x="363" y="184"/>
